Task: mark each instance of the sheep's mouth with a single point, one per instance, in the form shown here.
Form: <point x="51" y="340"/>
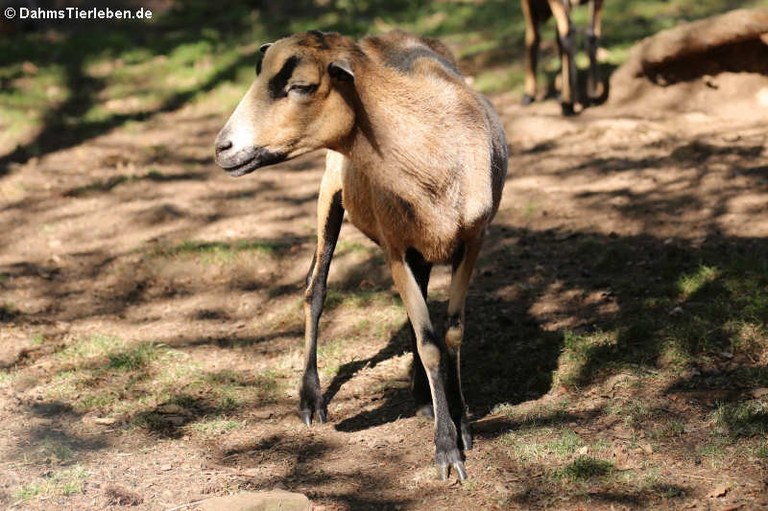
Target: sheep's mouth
<point x="254" y="159"/>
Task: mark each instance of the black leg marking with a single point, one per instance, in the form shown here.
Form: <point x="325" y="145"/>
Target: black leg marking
<point x="311" y="398"/>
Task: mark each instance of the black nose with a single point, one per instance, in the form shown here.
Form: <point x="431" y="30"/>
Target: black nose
<point x="223" y="145"/>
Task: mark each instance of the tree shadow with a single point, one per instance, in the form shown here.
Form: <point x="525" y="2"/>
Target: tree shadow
<point x="580" y="285"/>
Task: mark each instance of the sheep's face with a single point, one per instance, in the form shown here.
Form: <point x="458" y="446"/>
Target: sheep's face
<point x="296" y="104"/>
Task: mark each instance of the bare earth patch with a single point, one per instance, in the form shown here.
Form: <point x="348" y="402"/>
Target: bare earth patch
<point x="151" y="323"/>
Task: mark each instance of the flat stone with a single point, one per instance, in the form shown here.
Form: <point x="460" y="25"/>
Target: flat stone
<point x="258" y="501"/>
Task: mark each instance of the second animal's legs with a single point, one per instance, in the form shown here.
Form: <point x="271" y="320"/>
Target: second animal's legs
<point x="330" y="214"/>
<point x="432" y="353"/>
<point x="567" y="43"/>
<point x="532" y="40"/>
<point x="593" y="42"/>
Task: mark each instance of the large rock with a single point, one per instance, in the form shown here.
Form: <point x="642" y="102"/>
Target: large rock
<point x="717" y="65"/>
<point x="259" y="501"/>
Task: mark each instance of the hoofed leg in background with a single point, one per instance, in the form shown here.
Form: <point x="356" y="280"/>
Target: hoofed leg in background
<point x="532" y="40"/>
<point x="330" y="214"/>
<point x="593" y="43"/>
<point x="432" y="354"/>
<point x="567" y="43"/>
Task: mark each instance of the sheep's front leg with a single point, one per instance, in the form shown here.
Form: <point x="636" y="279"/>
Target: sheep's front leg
<point x="432" y="353"/>
<point x="330" y="213"/>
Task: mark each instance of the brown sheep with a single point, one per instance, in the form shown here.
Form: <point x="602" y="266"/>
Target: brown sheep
<point x="416" y="159"/>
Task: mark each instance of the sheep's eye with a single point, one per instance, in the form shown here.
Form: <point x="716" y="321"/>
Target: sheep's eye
<point x="302" y="88"/>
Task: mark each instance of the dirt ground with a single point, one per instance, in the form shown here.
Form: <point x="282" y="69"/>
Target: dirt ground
<point x="136" y="238"/>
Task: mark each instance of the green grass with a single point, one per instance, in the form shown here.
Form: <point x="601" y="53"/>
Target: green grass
<point x="584" y="468"/>
<point x="691" y="283"/>
<point x="219" y="252"/>
<point x="537" y="444"/>
<point x="66" y="482"/>
<point x="134" y="358"/>
<point x="749" y="418"/>
<point x="216" y="426"/>
<point x="578" y="349"/>
<point x="56" y="450"/>
<point x="356" y="298"/>
<point x="136" y="381"/>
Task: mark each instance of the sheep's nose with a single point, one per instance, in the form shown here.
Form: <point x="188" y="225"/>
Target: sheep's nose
<point x="223" y="145"/>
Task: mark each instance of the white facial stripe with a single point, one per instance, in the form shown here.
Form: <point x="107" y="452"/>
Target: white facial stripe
<point x="240" y="126"/>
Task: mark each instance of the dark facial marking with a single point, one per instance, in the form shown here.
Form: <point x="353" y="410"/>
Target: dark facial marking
<point x="278" y="82"/>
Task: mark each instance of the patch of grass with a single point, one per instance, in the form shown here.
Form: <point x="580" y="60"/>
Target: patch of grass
<point x="359" y="298"/>
<point x="690" y="283"/>
<point x="219" y="252"/>
<point x="542" y="443"/>
<point x="55" y="448"/>
<point x="714" y="452"/>
<point x="669" y="429"/>
<point x="70" y="481"/>
<point x="232" y="388"/>
<point x="97" y="345"/>
<point x="584" y="468"/>
<point x="761" y="451"/>
<point x="38" y="339"/>
<point x="579" y="350"/>
<point x="215" y="426"/>
<point x="344" y="247"/>
<point x="134" y="358"/>
<point x="744" y="419"/>
<point x="331" y="355"/>
<point x="634" y="413"/>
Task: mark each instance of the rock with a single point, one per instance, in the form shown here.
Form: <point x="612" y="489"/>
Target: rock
<point x="258" y="501"/>
<point x="719" y="491"/>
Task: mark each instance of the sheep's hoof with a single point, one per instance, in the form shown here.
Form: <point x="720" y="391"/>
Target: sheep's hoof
<point x="567" y="109"/>
<point x="444" y="471"/>
<point x="306" y="416"/>
<point x="527" y="100"/>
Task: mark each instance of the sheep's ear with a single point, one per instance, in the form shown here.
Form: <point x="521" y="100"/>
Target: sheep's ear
<point x="341" y="70"/>
<point x="260" y="56"/>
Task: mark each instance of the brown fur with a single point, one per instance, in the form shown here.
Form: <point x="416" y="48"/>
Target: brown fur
<point x="419" y="160"/>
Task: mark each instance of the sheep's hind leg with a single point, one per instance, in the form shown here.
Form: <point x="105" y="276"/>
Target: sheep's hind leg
<point x="432" y="353"/>
<point x="422" y="396"/>
<point x="463" y="265"/>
